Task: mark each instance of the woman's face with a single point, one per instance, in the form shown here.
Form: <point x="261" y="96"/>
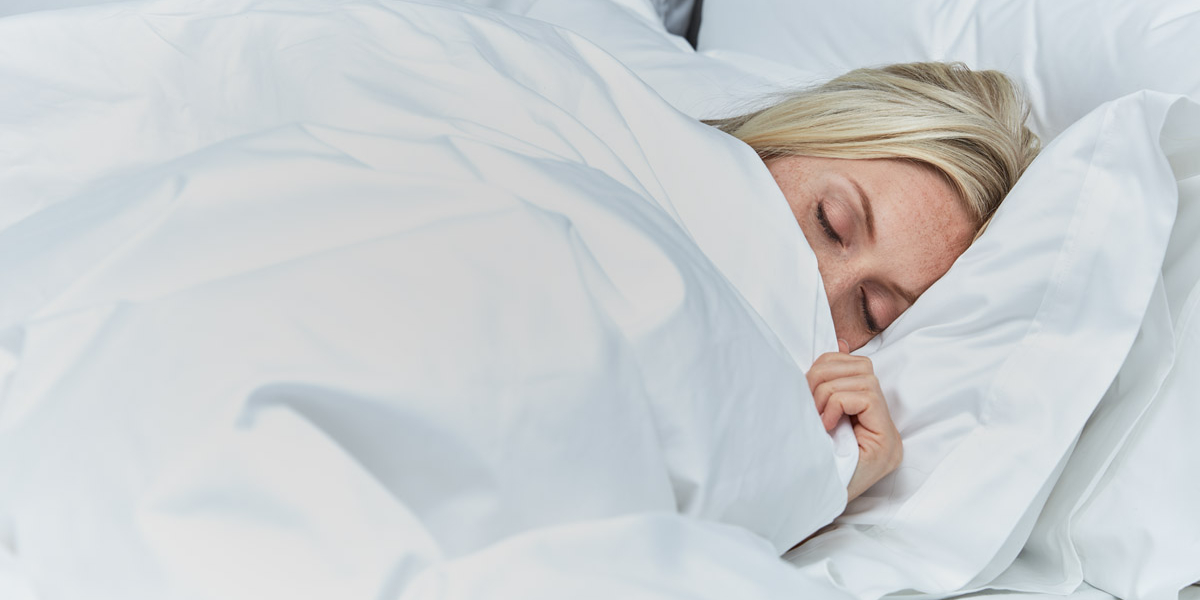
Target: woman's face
<point x="883" y="232"/>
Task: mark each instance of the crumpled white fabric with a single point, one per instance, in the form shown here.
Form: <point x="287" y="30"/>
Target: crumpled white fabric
<point x="1123" y="515"/>
<point x="706" y="86"/>
<point x="302" y="298"/>
<point x="615" y="559"/>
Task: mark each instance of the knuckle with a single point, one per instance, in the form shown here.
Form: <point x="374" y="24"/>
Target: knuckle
<point x="826" y="387"/>
<point x="850" y="402"/>
<point x="832" y="400"/>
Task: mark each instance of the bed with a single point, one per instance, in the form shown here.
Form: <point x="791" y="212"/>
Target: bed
<point x="423" y="299"/>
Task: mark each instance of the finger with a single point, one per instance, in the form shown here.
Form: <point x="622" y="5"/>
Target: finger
<point x="876" y="418"/>
<point x="864" y="402"/>
<point x="843" y="346"/>
<point x="859" y="382"/>
<point x="844" y="403"/>
<point x="832" y="366"/>
<point x="834" y="369"/>
<point x="839" y="357"/>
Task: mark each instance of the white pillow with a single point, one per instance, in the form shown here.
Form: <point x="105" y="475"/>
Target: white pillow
<point x="1129" y="490"/>
<point x="995" y="369"/>
<point x="699" y="85"/>
<point x="1071" y="55"/>
<point x="1155" y="478"/>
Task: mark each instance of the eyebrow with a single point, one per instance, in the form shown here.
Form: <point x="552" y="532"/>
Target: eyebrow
<point x="866" y="203"/>
<point x="908" y="295"/>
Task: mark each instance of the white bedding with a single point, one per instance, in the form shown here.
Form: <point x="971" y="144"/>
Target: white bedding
<point x="397" y="299"/>
<point x="302" y="299"/>
<point x="1084" y="592"/>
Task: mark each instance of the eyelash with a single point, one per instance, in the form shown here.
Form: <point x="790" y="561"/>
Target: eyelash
<point x="824" y="221"/>
<point x="872" y="324"/>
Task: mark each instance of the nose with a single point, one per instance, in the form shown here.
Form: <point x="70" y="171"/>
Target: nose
<point x="841" y="277"/>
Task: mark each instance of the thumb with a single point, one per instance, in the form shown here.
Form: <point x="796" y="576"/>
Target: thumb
<point x="843" y="346"/>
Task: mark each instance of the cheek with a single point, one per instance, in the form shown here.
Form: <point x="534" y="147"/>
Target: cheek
<point x="917" y="252"/>
<point x="927" y="261"/>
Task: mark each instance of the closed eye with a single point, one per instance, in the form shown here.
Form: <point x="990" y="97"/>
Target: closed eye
<point x="824" y="221"/>
<point x="872" y="325"/>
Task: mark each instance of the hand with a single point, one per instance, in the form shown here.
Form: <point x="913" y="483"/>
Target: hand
<point x="843" y="384"/>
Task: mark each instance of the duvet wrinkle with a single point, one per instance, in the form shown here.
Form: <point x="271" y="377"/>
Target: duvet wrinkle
<point x="411" y="291"/>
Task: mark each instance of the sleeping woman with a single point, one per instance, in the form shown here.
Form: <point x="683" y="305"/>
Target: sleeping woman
<point x="891" y="173"/>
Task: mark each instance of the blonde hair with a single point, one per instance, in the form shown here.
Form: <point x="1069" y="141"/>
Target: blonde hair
<point x="967" y="125"/>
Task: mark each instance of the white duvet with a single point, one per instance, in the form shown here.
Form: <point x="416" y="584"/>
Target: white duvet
<point x="322" y="299"/>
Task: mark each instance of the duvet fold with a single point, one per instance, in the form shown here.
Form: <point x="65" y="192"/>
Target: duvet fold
<point x="302" y="299"/>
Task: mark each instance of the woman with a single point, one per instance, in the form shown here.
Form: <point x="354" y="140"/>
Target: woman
<point x="890" y="173"/>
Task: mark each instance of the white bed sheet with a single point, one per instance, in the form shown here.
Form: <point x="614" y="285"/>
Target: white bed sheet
<point x="1083" y="592"/>
<point x="138" y="132"/>
<point x="304" y="299"/>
